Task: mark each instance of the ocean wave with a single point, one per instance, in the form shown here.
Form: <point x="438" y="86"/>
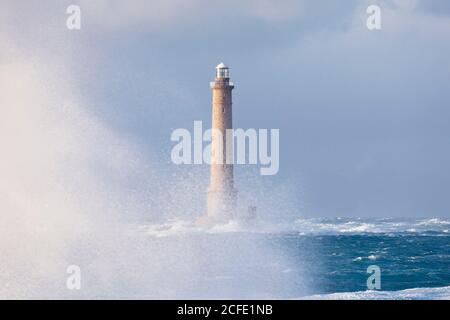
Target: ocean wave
<point x="304" y="226"/>
<point x="434" y="221"/>
<point x="371" y="257"/>
<point x="441" y="293"/>
<point x="176" y="227"/>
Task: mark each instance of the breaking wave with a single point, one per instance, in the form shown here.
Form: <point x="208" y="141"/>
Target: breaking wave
<point x="441" y="293"/>
<point x="314" y="226"/>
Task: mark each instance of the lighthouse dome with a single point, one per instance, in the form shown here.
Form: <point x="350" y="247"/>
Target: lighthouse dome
<point x="221" y="66"/>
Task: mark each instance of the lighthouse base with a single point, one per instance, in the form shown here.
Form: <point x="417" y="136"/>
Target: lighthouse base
<point x="221" y="206"/>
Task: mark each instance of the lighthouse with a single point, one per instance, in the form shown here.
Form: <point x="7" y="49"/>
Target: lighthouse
<point x="221" y="203"/>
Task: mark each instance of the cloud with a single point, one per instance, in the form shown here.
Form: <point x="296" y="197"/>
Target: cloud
<point x="106" y="16"/>
<point x="435" y="7"/>
<point x="173" y="13"/>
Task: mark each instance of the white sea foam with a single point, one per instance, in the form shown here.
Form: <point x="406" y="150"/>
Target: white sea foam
<point x="312" y="226"/>
<point x="433" y="221"/>
<point x="441" y="293"/>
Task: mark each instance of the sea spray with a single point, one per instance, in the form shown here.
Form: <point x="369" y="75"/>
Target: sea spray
<point x="71" y="190"/>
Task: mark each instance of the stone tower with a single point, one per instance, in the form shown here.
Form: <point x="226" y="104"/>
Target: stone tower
<point x="221" y="193"/>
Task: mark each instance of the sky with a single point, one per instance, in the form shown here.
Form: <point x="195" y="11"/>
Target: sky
<point x="364" y="116"/>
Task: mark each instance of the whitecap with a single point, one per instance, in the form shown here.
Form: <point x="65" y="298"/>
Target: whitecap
<point x="440" y="293"/>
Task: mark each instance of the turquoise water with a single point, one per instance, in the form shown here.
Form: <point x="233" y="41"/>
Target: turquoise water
<point x="335" y="253"/>
<point x="338" y="263"/>
<point x="311" y="257"/>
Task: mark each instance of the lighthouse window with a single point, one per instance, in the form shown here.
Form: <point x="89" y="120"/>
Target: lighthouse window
<point x="222" y="73"/>
<point x="223" y="110"/>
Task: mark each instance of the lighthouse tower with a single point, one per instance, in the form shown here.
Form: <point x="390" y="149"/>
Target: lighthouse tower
<point x="221" y="193"/>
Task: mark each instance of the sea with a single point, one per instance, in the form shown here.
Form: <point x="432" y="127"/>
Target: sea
<point x="315" y="258"/>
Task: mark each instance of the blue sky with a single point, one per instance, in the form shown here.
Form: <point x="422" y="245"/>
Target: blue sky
<point x="364" y="116"/>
